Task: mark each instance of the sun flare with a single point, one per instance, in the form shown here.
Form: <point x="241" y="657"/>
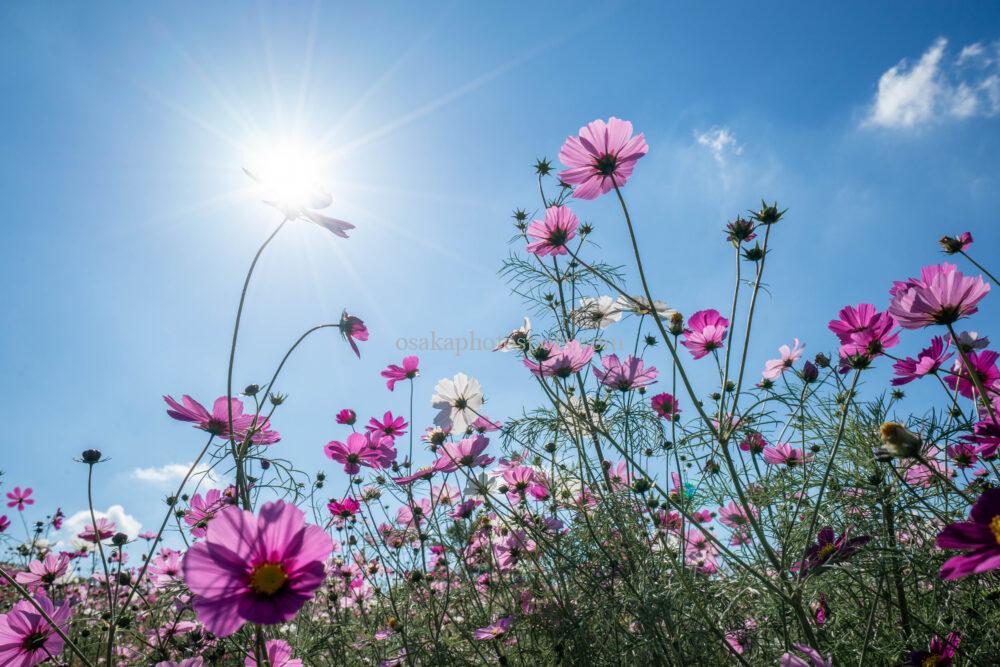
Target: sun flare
<point x="288" y="172"/>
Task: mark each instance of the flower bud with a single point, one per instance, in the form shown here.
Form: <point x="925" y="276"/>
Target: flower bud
<point x="251" y="390"/>
<point x="91" y="456"/>
<point x="809" y="372"/>
<point x="119" y="539"/>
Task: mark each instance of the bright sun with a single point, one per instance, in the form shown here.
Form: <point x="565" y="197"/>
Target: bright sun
<point x="288" y="172"/>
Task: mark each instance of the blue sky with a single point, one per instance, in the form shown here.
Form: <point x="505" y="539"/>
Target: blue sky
<point x="129" y="224"/>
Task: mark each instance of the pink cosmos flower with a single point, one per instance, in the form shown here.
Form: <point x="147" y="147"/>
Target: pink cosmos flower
<point x="735" y="517"/>
<point x="494" y="630"/>
<point x="815" y="658"/>
<point x="518" y="480"/>
<point x="784" y="454"/>
<point x="666" y="406"/>
<point x="20" y="497"/>
<point x="345" y="508"/>
<point x="204" y="509"/>
<point x="409" y="370"/>
<point x="789" y="355"/>
<point x="928" y="362"/>
<point x="552" y="233"/>
<point x="389" y="426"/>
<point x="165" y="568"/>
<point x="954" y="244"/>
<point x="361" y="450"/>
<point x="464" y="509"/>
<point x="939" y="652"/>
<point x="26" y="638"/>
<point x="625" y="375"/>
<point x="548" y="359"/>
<point x="864" y="333"/>
<point x="105" y="529"/>
<point x="983" y="364"/>
<point x="601" y="157"/>
<point x="44" y="572"/>
<point x="279" y="654"/>
<point x="217" y="421"/>
<point x="706" y="329"/>
<point x="753" y="442"/>
<point x="4" y="523"/>
<point x="351" y="329"/>
<point x="347" y="417"/>
<point x="963" y="455"/>
<point x="980" y="536"/>
<point x="57" y="518"/>
<point x="484" y="424"/>
<point x="467" y="452"/>
<point x="257" y="569"/>
<point x="942" y="295"/>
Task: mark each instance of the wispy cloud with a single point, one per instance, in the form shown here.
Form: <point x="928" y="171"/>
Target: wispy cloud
<point x="721" y="143"/>
<point x="172" y="473"/>
<point x="938" y="87"/>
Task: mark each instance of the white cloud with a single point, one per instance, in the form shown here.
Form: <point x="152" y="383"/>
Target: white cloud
<point x="124" y="522"/>
<point x="171" y="474"/>
<point x="938" y="87"/>
<point x="720" y="141"/>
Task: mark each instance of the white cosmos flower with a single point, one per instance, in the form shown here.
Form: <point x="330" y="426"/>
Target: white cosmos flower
<point x="597" y="313"/>
<point x="458" y="399"/>
<point x="640" y="306"/>
<point x="516" y="339"/>
<point x="481" y="485"/>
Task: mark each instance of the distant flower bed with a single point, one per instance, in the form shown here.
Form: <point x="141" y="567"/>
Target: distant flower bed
<point x="783" y="512"/>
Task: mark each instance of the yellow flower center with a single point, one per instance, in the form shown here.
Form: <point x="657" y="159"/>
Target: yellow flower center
<point x="268" y="578"/>
<point x="826" y="550"/>
<point x="995" y="527"/>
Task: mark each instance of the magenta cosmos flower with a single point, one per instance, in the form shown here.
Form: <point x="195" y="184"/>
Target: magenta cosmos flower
<point x="980" y="536"/>
<point x="279" y="654"/>
<point x="551" y="234"/>
<point x="345" y="508"/>
<point x="601" y="157"/>
<point x="105" y="529"/>
<point x="347" y="417"/>
<point x="19" y="498"/>
<point x="216" y="422"/>
<point x="939" y="653"/>
<point x="389" y="426"/>
<point x="953" y="244"/>
<point x="928" y="362"/>
<point x="255" y="569"/>
<point x="204" y="509"/>
<point x="352" y="329"/>
<point x="369" y="450"/>
<point x="549" y="360"/>
<point x="494" y="630"/>
<point x="467" y="452"/>
<point x="789" y="355"/>
<point x="409" y="370"/>
<point x="666" y="406"/>
<point x="830" y="550"/>
<point x="706" y="329"/>
<point x="784" y="454"/>
<point x="625" y="375"/>
<point x="815" y="658"/>
<point x="864" y="333"/>
<point x="44" y="572"/>
<point x="983" y="364"/>
<point x="941" y="295"/>
<point x="26" y="638"/>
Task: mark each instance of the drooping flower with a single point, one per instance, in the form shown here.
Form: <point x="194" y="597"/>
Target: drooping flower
<point x="980" y="537"/>
<point x="983" y="364"/>
<point x="789" y="355"/>
<point x="279" y="654"/>
<point x="300" y="201"/>
<point x="550" y="360"/>
<point x="602" y="156"/>
<point x="954" y="244"/>
<point x="553" y="233"/>
<point x="928" y="361"/>
<point x="351" y="329"/>
<point x="939" y="652"/>
<point x="784" y="454"/>
<point x="625" y="375"/>
<point x="347" y="417"/>
<point x="389" y="426"/>
<point x="19" y="498"/>
<point x="516" y="340"/>
<point x="457" y="400"/>
<point x="829" y="550"/>
<point x="815" y="658"/>
<point x="257" y="569"/>
<point x="706" y="330"/>
<point x="666" y="406"/>
<point x="57" y="519"/>
<point x="26" y="638"/>
<point x="942" y="295"/>
<point x="409" y="370"/>
<point x="596" y="312"/>
<point x="44" y="572"/>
